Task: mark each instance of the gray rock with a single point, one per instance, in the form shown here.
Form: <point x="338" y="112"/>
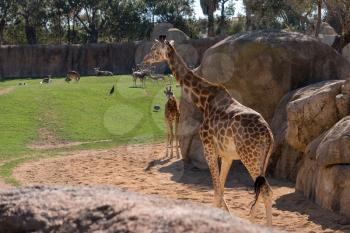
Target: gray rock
<point x="302" y="116"/>
<point x="325" y="172"/>
<point x="87" y="209"/>
<point x="334" y="149"/>
<point x="327" y="186"/>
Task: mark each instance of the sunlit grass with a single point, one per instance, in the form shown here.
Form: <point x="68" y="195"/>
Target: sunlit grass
<point x="81" y="112"/>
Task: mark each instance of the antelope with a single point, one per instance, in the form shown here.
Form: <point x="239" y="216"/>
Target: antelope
<point x="72" y="75"/>
<point x="99" y="72"/>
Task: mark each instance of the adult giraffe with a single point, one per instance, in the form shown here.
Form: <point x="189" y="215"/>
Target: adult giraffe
<point x="230" y="131"/>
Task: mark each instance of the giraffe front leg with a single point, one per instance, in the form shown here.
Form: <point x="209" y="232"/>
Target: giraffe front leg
<point x="171" y="141"/>
<point x="225" y="168"/>
<point x="212" y="160"/>
<point x="167" y="138"/>
<point x="177" y="146"/>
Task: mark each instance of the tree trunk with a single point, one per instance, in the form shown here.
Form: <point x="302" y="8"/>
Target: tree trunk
<point x="68" y="30"/>
<point x="60" y="29"/>
<point x="2" y="28"/>
<point x="341" y="41"/>
<point x="30" y="31"/>
<point x="248" y="18"/>
<point x="211" y="23"/>
<point x="93" y="35"/>
<point x="222" y="19"/>
<point x="319" y="17"/>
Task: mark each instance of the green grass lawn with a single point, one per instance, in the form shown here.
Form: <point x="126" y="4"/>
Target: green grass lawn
<point x="81" y="112"/>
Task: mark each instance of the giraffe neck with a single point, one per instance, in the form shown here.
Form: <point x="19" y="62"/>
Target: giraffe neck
<point x="198" y="89"/>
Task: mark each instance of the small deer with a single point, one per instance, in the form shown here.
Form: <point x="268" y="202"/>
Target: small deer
<point x="99" y="72"/>
<point x="141" y="75"/>
<point x="172" y="116"/>
<point x="157" y="77"/>
<point x="72" y="75"/>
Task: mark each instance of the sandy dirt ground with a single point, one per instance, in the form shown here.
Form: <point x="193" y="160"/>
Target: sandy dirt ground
<point x="3" y="185"/>
<point x="141" y="168"/>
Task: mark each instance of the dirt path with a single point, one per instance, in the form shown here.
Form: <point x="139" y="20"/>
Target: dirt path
<point x="125" y="168"/>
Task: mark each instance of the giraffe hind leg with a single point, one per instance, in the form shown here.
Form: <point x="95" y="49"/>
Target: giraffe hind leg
<point x="266" y="193"/>
<point x="212" y="160"/>
<point x="262" y="189"/>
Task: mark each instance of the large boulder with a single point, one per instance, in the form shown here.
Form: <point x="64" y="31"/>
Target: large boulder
<point x="334" y="149"/>
<point x="301" y="117"/>
<point x="176" y="35"/>
<point x="44" y="209"/>
<point x="311" y="111"/>
<point x="258" y="69"/>
<point x="325" y="173"/>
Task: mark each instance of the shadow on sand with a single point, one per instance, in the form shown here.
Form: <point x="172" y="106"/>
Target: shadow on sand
<point x="185" y="173"/>
<point x="296" y="202"/>
<point x="238" y="177"/>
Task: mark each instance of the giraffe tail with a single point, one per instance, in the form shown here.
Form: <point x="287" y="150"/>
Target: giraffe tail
<point x="258" y="184"/>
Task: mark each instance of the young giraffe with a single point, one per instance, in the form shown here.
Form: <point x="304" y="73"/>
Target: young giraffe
<point x="172" y="116"/>
<point x="230" y="131"/>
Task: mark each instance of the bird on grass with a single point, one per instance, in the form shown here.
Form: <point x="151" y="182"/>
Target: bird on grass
<point x="111" y="91"/>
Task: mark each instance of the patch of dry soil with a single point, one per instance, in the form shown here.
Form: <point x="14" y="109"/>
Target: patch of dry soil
<point x="6" y="90"/>
<point x="3" y="185"/>
<point x="48" y="141"/>
<point x="125" y="167"/>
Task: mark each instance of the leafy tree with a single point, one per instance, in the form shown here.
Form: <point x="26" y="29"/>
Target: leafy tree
<point x="7" y="8"/>
<point x="34" y="15"/>
<point x="228" y="10"/>
<point x="176" y="12"/>
<point x="338" y="16"/>
<point x="237" y="25"/>
<point x="128" y="20"/>
<point x="93" y="18"/>
<point x="208" y="8"/>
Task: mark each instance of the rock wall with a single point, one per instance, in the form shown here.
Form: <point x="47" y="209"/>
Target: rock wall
<point x="40" y="209"/>
<point x="258" y="69"/>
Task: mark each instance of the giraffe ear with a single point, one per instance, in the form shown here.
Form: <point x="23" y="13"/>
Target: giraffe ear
<point x="172" y="43"/>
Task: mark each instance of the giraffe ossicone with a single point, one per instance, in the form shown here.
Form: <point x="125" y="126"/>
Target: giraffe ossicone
<point x="230" y="131"/>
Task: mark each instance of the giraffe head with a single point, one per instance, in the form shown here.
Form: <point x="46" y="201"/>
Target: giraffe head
<point x="169" y="93"/>
<point x="159" y="52"/>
